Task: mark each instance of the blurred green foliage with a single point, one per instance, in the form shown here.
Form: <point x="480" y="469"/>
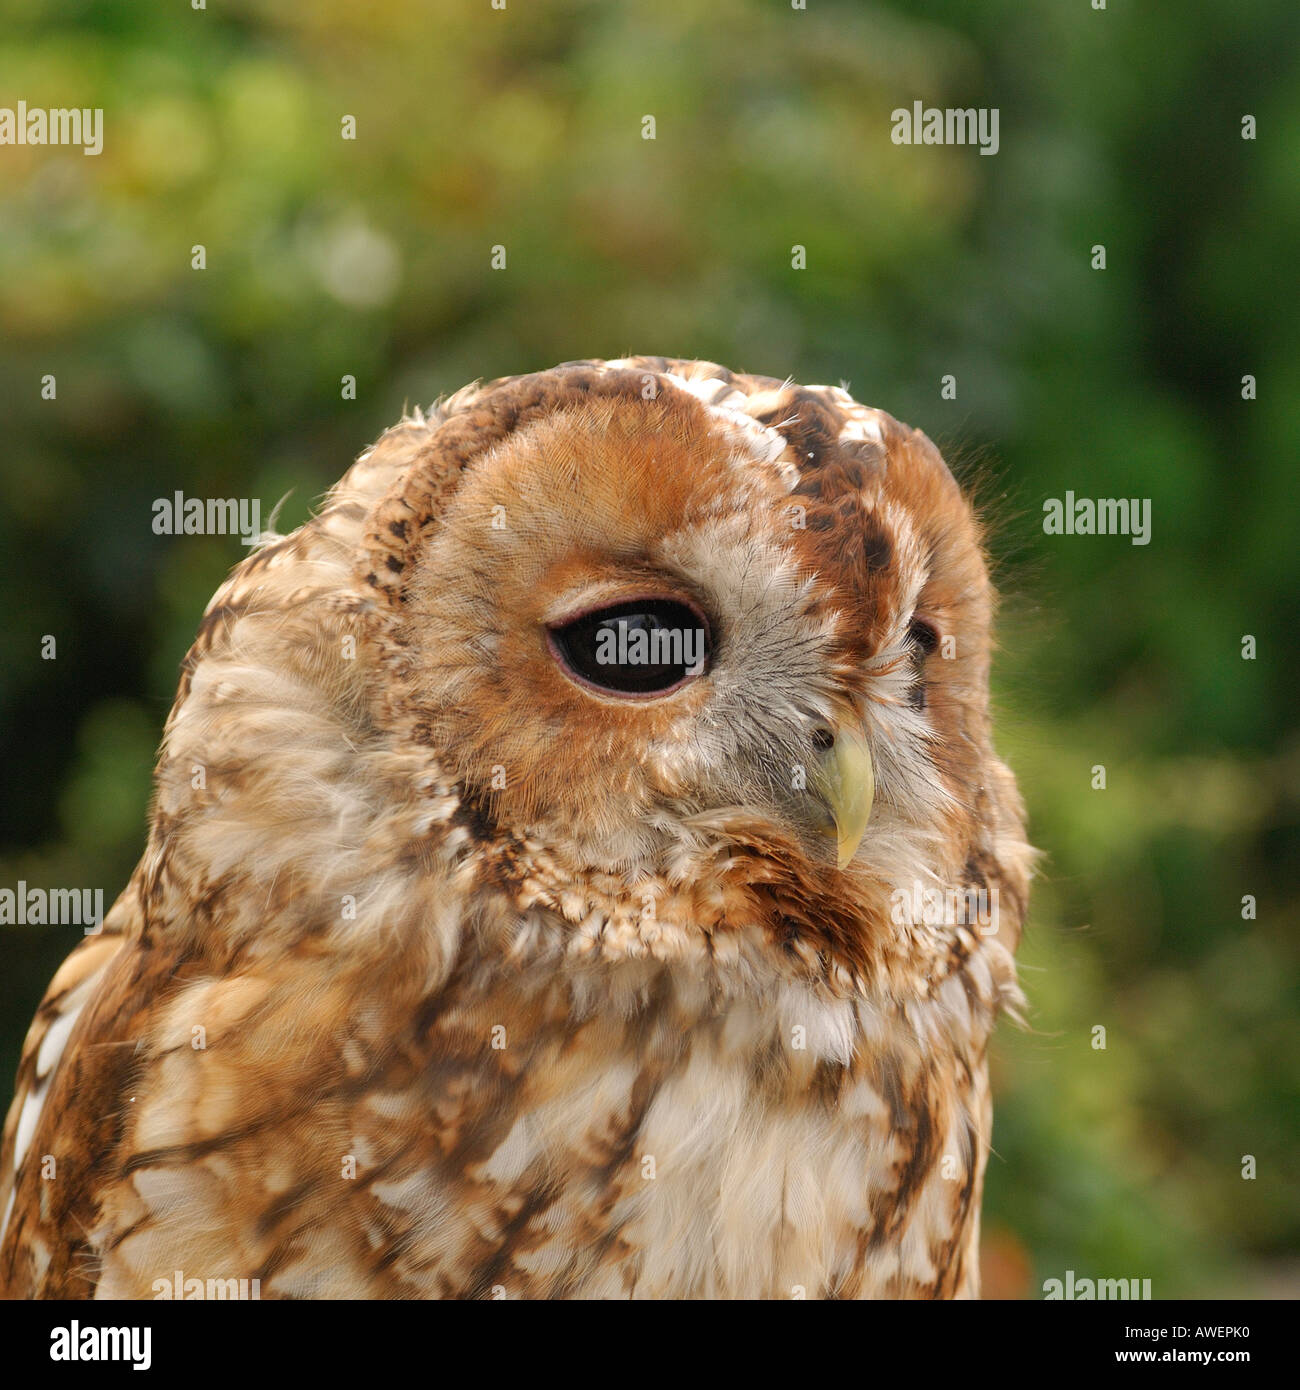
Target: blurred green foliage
<point x="522" y="128"/>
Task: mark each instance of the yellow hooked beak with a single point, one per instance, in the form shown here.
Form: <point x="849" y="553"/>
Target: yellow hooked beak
<point x="847" y="782"/>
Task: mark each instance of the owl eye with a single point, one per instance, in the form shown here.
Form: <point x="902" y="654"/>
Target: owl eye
<point x="643" y="647"/>
<point x="923" y="634"/>
<point x="925" y="638"/>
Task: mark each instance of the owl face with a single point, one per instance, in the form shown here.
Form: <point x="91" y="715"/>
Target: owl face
<point x="645" y="631"/>
<point x="621" y="636"/>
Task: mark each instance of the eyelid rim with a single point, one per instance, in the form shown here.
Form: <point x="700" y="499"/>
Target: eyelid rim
<point x="637" y="596"/>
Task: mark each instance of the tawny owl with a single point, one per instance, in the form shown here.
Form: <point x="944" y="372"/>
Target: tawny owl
<point x="579" y="867"/>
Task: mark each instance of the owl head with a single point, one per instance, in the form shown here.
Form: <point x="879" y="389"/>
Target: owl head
<point x="668" y="659"/>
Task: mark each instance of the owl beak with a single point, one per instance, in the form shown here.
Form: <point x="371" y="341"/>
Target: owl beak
<point x="848" y="784"/>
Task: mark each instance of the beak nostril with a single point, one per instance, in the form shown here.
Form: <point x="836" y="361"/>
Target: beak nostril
<point x="823" y="740"/>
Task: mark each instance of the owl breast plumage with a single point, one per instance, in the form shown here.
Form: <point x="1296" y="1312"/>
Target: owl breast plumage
<point x="579" y="867"/>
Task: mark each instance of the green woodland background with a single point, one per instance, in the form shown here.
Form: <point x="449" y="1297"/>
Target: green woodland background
<point x="478" y="127"/>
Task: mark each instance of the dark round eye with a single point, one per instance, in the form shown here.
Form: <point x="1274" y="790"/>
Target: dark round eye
<point x="923" y="634"/>
<point x="646" y="646"/>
